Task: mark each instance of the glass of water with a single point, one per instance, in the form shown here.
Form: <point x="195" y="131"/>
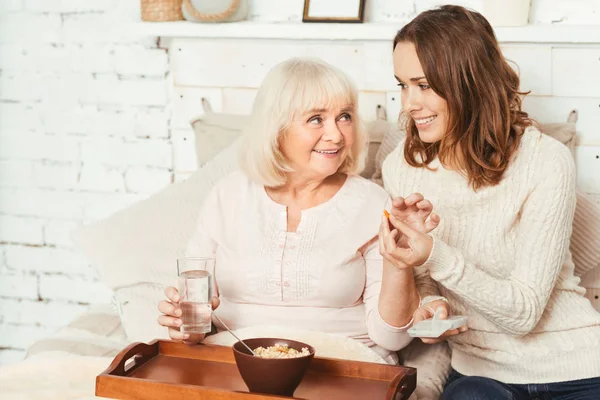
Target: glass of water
<point x="195" y="290"/>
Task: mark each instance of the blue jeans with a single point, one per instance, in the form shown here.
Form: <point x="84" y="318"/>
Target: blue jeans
<point x="460" y="387"/>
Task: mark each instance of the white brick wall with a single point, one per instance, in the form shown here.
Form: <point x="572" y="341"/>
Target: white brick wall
<point x="46" y="259"/>
<point x="69" y="288"/>
<point x="21" y="229"/>
<point x="20" y="336"/>
<point x="18" y="285"/>
<point x="47" y="313"/>
<point x="83" y="133"/>
<point x="90" y="122"/>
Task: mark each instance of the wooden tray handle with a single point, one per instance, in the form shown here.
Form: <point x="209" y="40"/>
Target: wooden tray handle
<point x="137" y="352"/>
<point x="402" y="386"/>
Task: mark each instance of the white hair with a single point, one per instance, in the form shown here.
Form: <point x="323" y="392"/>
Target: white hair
<point x="291" y="88"/>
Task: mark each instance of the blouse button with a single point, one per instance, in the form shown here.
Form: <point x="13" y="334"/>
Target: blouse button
<point x="287" y="284"/>
<point x="281" y="246"/>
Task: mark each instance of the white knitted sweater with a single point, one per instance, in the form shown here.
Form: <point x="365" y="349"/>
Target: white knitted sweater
<point x="501" y="257"/>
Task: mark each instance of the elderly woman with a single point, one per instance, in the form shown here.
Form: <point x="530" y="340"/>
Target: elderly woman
<point x="294" y="233"/>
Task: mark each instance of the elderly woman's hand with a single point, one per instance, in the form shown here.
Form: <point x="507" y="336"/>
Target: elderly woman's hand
<point x="171" y="317"/>
<point x="427" y="310"/>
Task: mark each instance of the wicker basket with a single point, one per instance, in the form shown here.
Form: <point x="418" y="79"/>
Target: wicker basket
<point x="161" y="10"/>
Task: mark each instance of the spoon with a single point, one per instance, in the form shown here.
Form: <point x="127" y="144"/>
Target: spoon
<point x="234" y="335"/>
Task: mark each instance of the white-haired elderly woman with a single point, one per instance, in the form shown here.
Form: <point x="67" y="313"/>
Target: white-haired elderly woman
<point x="295" y="232"/>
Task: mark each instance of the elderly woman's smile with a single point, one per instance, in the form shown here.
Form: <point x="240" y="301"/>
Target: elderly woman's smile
<point x="328" y="153"/>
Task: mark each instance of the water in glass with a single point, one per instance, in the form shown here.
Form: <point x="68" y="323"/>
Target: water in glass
<point x="196" y="291"/>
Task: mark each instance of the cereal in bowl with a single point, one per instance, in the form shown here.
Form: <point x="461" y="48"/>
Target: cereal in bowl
<point x="280" y="351"/>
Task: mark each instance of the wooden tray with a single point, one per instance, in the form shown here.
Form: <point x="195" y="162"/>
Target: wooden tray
<point x="169" y="370"/>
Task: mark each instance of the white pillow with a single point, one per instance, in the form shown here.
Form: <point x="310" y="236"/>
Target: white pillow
<point x="142" y="242"/>
<point x="135" y="250"/>
<point x="389" y="143"/>
<point x="213" y="132"/>
<point x="376" y="130"/>
<point x="138" y="309"/>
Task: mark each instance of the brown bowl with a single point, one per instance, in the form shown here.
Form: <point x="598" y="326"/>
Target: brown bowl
<point x="280" y="376"/>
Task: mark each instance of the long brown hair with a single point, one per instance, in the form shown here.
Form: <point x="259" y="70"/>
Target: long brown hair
<point x="464" y="65"/>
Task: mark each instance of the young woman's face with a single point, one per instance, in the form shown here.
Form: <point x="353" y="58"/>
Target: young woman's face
<point x="317" y="143"/>
<point x="419" y="101"/>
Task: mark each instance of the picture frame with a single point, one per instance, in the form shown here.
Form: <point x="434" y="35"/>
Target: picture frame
<point x="345" y="11"/>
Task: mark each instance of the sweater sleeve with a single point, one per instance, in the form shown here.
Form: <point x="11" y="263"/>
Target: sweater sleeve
<point x="516" y="303"/>
<point x="383" y="334"/>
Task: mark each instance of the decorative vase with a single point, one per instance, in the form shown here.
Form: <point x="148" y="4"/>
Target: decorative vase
<point x="161" y="10"/>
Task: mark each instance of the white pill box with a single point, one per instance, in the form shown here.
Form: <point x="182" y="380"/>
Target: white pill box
<point x="433" y="328"/>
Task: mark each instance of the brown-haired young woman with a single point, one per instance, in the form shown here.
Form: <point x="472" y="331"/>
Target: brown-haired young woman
<point x="505" y="195"/>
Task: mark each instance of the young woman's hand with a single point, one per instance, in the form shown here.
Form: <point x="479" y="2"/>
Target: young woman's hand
<point x="415" y="212"/>
<point x="403" y="246"/>
<point x="426" y="311"/>
<point x="171" y="317"/>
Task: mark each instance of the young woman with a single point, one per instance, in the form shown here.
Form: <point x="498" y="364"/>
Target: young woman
<point x="505" y="194"/>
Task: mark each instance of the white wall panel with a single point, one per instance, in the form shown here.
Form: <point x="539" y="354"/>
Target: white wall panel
<point x="227" y="63"/>
<point x="556" y="109"/>
<point x="379" y="70"/>
<point x="587" y="159"/>
<point x="534" y="65"/>
<point x="350" y="58"/>
<point x="238" y="101"/>
<point x="187" y="104"/>
<point x="582" y="12"/>
<point x="367" y="104"/>
<point x="393" y="105"/>
<point x="184" y="150"/>
<point x="576" y="72"/>
<point x="244" y="63"/>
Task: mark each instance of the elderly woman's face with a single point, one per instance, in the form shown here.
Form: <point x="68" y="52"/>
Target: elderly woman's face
<point x="317" y="143"/>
